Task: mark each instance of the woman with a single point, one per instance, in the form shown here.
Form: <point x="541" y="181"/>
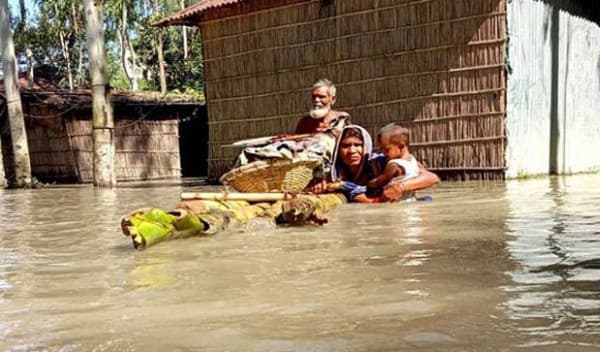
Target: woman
<point x="354" y="165"/>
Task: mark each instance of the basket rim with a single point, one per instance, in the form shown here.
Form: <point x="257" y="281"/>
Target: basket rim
<point x="258" y="165"/>
<point x="240" y="177"/>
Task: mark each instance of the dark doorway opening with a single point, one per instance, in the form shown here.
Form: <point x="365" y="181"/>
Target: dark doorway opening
<point x="193" y="143"/>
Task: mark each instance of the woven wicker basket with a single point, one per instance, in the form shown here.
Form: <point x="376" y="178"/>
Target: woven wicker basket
<point x="271" y="176"/>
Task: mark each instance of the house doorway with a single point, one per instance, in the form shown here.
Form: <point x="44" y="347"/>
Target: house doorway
<point x="193" y="142"/>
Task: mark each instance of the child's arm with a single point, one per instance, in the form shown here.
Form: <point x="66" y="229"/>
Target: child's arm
<point x="425" y="179"/>
<point x="391" y="170"/>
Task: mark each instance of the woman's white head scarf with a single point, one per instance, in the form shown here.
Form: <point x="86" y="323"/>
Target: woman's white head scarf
<point x="367" y="150"/>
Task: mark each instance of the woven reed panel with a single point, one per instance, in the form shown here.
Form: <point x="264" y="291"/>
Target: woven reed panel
<point x="50" y="153"/>
<point x="62" y="148"/>
<point x="435" y="65"/>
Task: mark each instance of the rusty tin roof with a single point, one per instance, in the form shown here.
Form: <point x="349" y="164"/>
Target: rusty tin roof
<point x="184" y="17"/>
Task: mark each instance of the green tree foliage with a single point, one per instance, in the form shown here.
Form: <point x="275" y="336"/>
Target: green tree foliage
<point x="56" y="38"/>
<point x="181" y="73"/>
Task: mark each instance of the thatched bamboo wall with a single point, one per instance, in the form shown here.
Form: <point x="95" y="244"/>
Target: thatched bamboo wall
<point x="435" y="65"/>
<point x="61" y="146"/>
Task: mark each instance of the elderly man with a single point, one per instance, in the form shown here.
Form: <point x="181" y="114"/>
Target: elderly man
<point x="322" y="123"/>
<point x="321" y="115"/>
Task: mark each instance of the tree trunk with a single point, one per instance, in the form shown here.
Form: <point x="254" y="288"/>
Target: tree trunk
<point x="161" y="64"/>
<point x="67" y="57"/>
<point x="134" y="67"/>
<point x="79" y="76"/>
<point x="127" y="52"/>
<point x="184" y="34"/>
<point x="18" y="135"/>
<point x="23" y="12"/>
<point x="161" y="57"/>
<point x="30" y="77"/>
<point x="103" y="125"/>
<point x="65" y="52"/>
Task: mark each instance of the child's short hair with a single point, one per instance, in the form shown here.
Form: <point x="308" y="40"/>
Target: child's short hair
<point x="395" y="133"/>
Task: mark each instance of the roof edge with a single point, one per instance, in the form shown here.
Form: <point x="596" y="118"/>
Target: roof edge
<point x="188" y="16"/>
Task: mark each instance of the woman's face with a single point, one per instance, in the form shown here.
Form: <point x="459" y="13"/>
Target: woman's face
<point x="351" y="151"/>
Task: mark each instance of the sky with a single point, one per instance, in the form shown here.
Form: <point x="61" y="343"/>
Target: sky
<point x="14" y="7"/>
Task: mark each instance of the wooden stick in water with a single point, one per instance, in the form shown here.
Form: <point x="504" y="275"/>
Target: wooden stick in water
<point x="249" y="197"/>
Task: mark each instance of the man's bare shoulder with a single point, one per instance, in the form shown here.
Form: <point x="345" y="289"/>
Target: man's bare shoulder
<point x="306" y="125"/>
<point x="305" y="117"/>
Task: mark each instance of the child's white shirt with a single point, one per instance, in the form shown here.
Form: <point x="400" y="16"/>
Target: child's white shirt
<point x="411" y="168"/>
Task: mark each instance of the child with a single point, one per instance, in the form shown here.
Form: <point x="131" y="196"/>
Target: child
<point x="393" y="142"/>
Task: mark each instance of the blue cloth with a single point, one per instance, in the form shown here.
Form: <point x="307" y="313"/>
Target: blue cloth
<point x="351" y="189"/>
<point x="376" y="165"/>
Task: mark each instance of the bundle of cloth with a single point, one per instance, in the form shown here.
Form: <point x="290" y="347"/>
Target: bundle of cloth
<point x="319" y="146"/>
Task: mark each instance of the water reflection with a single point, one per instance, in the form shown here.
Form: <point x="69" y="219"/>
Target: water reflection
<point x="556" y="296"/>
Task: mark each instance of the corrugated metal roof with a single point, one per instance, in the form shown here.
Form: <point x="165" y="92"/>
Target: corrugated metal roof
<point x="185" y="16"/>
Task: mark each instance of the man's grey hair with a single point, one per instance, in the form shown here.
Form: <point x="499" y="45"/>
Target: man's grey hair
<point x="324" y="82"/>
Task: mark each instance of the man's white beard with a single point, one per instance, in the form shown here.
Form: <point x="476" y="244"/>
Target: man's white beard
<point x="320" y="111"/>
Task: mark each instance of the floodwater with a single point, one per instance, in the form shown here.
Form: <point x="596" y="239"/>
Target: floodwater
<point x="509" y="266"/>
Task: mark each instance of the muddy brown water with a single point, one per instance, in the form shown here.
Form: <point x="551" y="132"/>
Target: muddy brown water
<point x="511" y="266"/>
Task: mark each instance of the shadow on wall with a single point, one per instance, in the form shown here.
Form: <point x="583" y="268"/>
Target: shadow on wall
<point x="588" y="9"/>
<point x="6" y="156"/>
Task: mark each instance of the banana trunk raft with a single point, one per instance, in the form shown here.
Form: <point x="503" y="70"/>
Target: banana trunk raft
<point x="205" y="214"/>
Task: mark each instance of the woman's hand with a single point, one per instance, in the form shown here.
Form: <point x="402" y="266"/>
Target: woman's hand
<point x="317" y="187"/>
<point x="425" y="179"/>
<point x="393" y="192"/>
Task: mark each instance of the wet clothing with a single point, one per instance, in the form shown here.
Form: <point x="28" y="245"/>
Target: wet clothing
<point x="410" y="167"/>
<point x="372" y="166"/>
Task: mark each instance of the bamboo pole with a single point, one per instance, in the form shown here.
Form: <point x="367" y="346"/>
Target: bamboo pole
<point x="149" y="226"/>
<point x="248" y="197"/>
